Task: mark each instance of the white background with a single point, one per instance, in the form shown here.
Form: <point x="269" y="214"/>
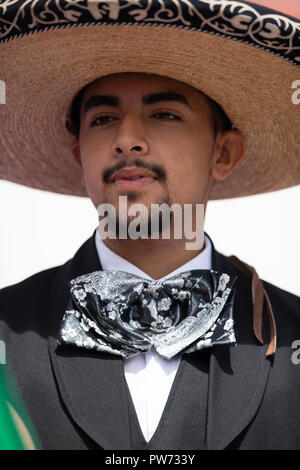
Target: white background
<point x="41" y="230"/>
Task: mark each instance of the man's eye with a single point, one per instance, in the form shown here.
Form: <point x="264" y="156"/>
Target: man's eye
<point x="101" y="120"/>
<point x="167" y="116"/>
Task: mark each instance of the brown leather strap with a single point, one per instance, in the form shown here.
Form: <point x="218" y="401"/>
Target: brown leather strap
<point x="258" y="296"/>
<point x="273" y="334"/>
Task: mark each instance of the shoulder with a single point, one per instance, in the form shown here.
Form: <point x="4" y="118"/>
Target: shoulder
<point x="282" y="297"/>
<point x="22" y="301"/>
<point x="285" y="305"/>
<point x="38" y="281"/>
<point x="286" y="309"/>
<point x="281" y="300"/>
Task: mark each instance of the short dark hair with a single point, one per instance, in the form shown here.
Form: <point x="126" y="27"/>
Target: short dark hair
<point x="73" y="119"/>
<point x="221" y="121"/>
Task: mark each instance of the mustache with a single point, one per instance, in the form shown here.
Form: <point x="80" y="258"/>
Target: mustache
<point x="158" y="170"/>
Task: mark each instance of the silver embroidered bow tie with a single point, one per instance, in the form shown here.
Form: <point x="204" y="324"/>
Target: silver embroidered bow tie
<point x="123" y="314"/>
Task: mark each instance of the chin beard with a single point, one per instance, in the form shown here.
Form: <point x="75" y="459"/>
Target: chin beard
<point x="150" y="226"/>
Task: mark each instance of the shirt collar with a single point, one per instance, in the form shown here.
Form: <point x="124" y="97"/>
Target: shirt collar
<point x="110" y="260"/>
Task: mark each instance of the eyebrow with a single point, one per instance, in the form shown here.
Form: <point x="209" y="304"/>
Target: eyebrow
<point x="111" y="100"/>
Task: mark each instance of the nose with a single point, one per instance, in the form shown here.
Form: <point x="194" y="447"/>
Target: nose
<point x="130" y="139"/>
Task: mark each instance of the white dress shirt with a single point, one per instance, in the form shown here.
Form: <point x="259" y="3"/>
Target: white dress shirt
<point x="149" y="376"/>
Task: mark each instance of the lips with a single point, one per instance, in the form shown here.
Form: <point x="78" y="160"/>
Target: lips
<point x="132" y="174"/>
<point x="132" y="178"/>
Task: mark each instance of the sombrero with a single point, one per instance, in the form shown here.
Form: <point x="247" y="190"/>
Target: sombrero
<point x="244" y="56"/>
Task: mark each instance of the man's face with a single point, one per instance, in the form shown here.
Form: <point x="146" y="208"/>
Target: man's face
<point x="152" y="125"/>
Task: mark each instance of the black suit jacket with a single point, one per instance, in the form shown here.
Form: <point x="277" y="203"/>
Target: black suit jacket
<point x="77" y="398"/>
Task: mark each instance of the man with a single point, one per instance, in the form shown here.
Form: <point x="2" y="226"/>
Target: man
<point x="105" y="356"/>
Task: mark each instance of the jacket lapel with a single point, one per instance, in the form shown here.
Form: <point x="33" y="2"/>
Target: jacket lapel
<point x="238" y="375"/>
<point x="91" y="385"/>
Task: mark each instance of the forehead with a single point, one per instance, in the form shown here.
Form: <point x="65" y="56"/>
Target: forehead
<point x="140" y="84"/>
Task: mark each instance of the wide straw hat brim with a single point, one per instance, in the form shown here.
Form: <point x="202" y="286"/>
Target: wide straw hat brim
<point x="44" y="71"/>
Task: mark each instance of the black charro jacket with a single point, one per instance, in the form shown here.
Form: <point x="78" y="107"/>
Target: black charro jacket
<point x="76" y="397"/>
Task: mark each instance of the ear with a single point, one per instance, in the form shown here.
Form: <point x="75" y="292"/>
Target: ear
<point x="76" y="153"/>
<point x="230" y="150"/>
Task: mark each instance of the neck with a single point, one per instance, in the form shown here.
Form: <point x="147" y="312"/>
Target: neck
<point x="157" y="258"/>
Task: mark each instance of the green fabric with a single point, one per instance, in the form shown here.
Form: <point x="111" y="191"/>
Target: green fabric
<point x="9" y="436"/>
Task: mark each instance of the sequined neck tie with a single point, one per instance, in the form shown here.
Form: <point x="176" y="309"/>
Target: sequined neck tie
<point x="119" y="313"/>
